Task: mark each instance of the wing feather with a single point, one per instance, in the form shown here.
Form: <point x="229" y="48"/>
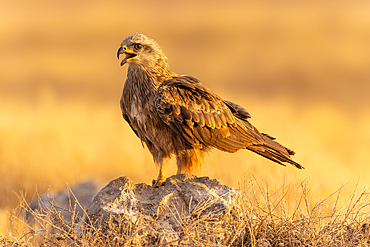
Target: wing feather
<point x="193" y="111"/>
<point x="196" y="133"/>
<point x="223" y="119"/>
<point x="209" y="120"/>
<point x="195" y="117"/>
<point x="205" y="134"/>
<point x="217" y="120"/>
<point x="229" y="117"/>
<point x="201" y="118"/>
<point x="186" y="113"/>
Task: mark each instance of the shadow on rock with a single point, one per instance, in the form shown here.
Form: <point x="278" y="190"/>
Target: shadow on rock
<point x="73" y="200"/>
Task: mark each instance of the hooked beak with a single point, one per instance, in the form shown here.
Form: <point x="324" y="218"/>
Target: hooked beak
<point x="129" y="55"/>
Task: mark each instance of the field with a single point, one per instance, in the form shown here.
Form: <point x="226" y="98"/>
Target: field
<point x="300" y="69"/>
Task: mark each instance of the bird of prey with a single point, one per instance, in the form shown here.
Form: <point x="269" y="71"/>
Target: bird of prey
<point x="177" y="115"/>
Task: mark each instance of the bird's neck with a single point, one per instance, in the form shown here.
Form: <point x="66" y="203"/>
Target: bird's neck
<point x="161" y="71"/>
<point x="139" y="83"/>
<point x="143" y="81"/>
<point x="154" y="74"/>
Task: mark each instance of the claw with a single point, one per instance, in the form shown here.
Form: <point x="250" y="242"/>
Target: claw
<point x="158" y="182"/>
<point x="161" y="180"/>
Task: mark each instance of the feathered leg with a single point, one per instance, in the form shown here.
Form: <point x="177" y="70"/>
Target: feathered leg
<point x="189" y="160"/>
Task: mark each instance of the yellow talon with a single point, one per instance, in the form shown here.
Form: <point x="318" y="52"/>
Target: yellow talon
<point x="161" y="180"/>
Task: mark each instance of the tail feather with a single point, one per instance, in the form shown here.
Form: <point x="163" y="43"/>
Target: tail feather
<point x="244" y="135"/>
<point x="247" y="136"/>
<point x="275" y="154"/>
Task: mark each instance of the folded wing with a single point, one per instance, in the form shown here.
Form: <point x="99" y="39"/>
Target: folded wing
<point x="203" y="119"/>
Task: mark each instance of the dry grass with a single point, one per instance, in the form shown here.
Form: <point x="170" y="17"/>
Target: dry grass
<point x="300" y="68"/>
<point x="262" y="215"/>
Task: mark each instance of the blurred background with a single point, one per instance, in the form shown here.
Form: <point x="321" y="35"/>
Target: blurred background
<point x="302" y="69"/>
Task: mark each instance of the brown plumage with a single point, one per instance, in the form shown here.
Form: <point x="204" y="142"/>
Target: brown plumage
<point x="178" y="115"/>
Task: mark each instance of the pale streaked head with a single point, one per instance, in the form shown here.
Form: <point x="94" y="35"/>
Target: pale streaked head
<point x="140" y="50"/>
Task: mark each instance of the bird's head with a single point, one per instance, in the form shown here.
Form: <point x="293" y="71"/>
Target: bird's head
<point x="141" y="50"/>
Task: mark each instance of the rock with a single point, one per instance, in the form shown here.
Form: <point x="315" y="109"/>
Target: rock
<point x="65" y="201"/>
<point x="184" y="201"/>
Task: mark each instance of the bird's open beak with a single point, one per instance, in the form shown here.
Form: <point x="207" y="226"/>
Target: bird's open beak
<point x="129" y="55"/>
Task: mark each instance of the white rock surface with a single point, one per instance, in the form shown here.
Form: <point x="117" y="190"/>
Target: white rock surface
<point x="183" y="196"/>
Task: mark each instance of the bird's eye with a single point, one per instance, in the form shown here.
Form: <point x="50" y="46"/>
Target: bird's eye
<point x="138" y="46"/>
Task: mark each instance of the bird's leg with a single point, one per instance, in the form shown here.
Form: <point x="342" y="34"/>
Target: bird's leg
<point x="161" y="180"/>
<point x="189" y="161"/>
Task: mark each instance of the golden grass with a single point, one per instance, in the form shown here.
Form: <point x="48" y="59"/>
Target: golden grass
<point x="263" y="214"/>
